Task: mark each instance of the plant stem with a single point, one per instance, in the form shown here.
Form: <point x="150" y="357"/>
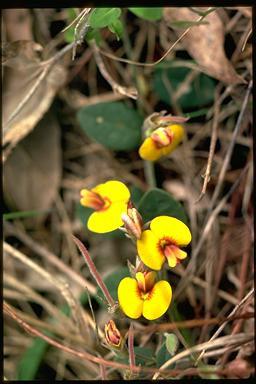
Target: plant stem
<point x="94" y="271"/>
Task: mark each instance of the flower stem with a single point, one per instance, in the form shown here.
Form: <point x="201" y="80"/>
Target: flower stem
<point x="94" y="271"/>
<point x="150" y="173"/>
<point x="131" y="347"/>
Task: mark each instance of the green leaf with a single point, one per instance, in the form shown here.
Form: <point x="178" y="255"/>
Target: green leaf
<point x="157" y="202"/>
<point x="162" y="356"/>
<point x="112" y="281"/>
<point x="117" y="28"/>
<point x="114" y="125"/>
<point x="23" y="214"/>
<point x="200" y="91"/>
<point x="103" y="17"/>
<point x="136" y="195"/>
<point x="93" y="34"/>
<point x="31" y="359"/>
<point x="171" y="343"/>
<point x="150" y="13"/>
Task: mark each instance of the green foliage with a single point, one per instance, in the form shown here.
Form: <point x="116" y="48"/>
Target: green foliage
<point x="103" y="17"/>
<point x="23" y="214"/>
<point x="69" y="33"/>
<point x="200" y="92"/>
<point x="31" y="359"/>
<point x="93" y="34"/>
<point x="157" y="202"/>
<point x="162" y="355"/>
<point x="171" y="343"/>
<point x="112" y="281"/>
<point x="117" y="28"/>
<point x="143" y="356"/>
<point x="150" y="13"/>
<point x="114" y="125"/>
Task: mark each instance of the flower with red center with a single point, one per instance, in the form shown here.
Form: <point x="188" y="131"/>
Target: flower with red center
<point x="161" y="142"/>
<point x="142" y="296"/>
<point x="163" y="241"/>
<point x="109" y="200"/>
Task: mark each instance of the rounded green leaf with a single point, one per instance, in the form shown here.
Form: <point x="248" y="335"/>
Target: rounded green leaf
<point x="102" y="17"/>
<point x="171" y="342"/>
<point x="157" y="202"/>
<point x="199" y="93"/>
<point x="150" y="13"/>
<point x="114" y="125"/>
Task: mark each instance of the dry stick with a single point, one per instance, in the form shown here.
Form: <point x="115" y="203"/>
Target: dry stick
<point x="209" y="222"/>
<point x="164" y="55"/>
<point x="87" y="356"/>
<point x="131" y="346"/>
<point x="213" y="214"/>
<point x="232" y="313"/>
<point x="53" y="259"/>
<point x="239" y="339"/>
<point x="214" y="137"/>
<point x="230" y="149"/>
<point x="191" y="323"/>
<point x="94" y="271"/>
<point x="61" y="286"/>
<point x="129" y="92"/>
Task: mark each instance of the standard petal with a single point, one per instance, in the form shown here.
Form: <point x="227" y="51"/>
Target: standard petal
<point x="148" y="250"/>
<point x="129" y="298"/>
<point x="171" y="227"/>
<point x="149" y="151"/>
<point x="115" y="190"/>
<point x="108" y="220"/>
<point x="158" y="301"/>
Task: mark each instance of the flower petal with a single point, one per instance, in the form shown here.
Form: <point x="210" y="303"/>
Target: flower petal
<point x="108" y="220"/>
<point x="158" y="300"/>
<point x="178" y="134"/>
<point x="115" y="190"/>
<point x="149" y="151"/>
<point x="148" y="251"/>
<point x="171" y="227"/>
<point x="129" y="298"/>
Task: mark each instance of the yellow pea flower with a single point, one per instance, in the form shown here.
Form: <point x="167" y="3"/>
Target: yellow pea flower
<point x="141" y="296"/>
<point x="161" y="142"/>
<point x="109" y="200"/>
<point x="162" y="241"/>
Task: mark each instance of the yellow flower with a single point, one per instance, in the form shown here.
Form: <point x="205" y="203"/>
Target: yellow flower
<point x="162" y="241"/>
<point x="161" y="142"/>
<point x="109" y="200"/>
<point x="141" y="296"/>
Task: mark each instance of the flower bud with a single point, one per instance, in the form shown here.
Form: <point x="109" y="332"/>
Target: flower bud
<point x="132" y="222"/>
<point x="113" y="336"/>
<point x="162" y="137"/>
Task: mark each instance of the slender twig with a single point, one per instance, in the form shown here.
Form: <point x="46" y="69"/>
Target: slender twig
<point x="191" y="323"/>
<point x="60" y="285"/>
<point x="129" y="92"/>
<point x="214" y="137"/>
<point x="208" y="225"/>
<point x="87" y="356"/>
<point x="230" y="148"/>
<point x="239" y="339"/>
<point x="111" y="56"/>
<point x="232" y="313"/>
<point x="94" y="271"/>
<point x="51" y="258"/>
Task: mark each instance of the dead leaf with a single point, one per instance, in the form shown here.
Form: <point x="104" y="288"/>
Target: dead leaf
<point x="205" y="43"/>
<point x="18" y="85"/>
<point x="32" y="172"/>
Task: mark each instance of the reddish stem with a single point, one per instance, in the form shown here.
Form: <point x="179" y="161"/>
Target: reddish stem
<point x="94" y="271"/>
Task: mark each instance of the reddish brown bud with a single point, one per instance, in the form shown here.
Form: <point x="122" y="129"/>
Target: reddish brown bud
<point x="113" y="336"/>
